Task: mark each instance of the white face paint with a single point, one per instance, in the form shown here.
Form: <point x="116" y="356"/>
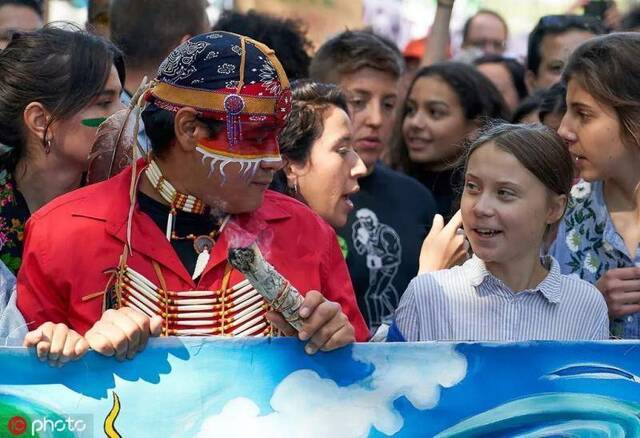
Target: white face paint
<point x="229" y="184"/>
<point x="248" y="168"/>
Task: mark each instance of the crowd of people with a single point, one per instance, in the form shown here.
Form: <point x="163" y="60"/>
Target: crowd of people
<point x="466" y="197"/>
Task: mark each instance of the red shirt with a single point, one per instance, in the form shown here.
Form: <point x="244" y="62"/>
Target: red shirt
<point x="72" y="244"/>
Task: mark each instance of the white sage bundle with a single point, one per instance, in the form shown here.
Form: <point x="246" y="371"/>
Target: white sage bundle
<point x="276" y="290"/>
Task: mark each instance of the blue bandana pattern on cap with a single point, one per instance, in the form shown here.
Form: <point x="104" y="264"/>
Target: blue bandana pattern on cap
<point x="230" y="78"/>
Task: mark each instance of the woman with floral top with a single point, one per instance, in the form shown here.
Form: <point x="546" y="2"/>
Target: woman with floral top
<point x="599" y="235"/>
<point x="56" y="87"/>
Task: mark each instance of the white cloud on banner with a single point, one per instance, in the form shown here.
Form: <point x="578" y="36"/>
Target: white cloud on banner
<point x="305" y="404"/>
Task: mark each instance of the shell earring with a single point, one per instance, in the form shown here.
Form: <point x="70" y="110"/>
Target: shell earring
<point x="47" y="146"/>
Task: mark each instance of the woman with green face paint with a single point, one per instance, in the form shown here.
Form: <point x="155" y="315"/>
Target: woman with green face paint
<point x="56" y="87"/>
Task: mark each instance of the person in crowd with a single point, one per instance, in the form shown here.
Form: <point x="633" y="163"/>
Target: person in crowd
<point x="552" y="110"/>
<point x="486" y="31"/>
<point x="553" y="106"/>
<point x="551" y="42"/>
<point x="321" y="168"/>
<point x="392" y="212"/>
<point x="599" y="235"/>
<point x="447" y="103"/>
<point x="172" y="24"/>
<point x="286" y="36"/>
<point x="630" y="22"/>
<point x="517" y="181"/>
<point x="529" y="109"/>
<point x="19" y="15"/>
<point x="507" y="75"/>
<point x="164" y="225"/>
<point x="50" y="107"/>
<point x="129" y="24"/>
<point x="98" y="18"/>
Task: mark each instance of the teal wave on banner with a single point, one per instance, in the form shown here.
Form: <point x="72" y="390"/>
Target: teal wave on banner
<point x="560" y="415"/>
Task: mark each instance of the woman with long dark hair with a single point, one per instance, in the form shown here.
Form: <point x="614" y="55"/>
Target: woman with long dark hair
<point x="56" y="87"/>
<point x="446" y="104"/>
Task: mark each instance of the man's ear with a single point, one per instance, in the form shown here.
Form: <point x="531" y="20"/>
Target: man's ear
<point x="36" y="119"/>
<point x="188" y="129"/>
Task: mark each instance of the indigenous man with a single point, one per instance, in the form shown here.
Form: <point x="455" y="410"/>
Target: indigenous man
<point x="145" y="252"/>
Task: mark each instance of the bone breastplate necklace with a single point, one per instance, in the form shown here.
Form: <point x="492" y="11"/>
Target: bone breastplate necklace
<point x="202" y="244"/>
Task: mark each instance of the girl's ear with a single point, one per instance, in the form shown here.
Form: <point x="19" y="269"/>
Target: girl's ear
<point x="557" y="206"/>
<point x="36" y="119"/>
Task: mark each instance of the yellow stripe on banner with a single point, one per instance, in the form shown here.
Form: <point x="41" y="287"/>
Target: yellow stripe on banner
<point x="109" y="422"/>
<point x="210" y="100"/>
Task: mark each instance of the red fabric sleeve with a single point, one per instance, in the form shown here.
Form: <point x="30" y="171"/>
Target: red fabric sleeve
<point x="38" y="299"/>
<point x="337" y="286"/>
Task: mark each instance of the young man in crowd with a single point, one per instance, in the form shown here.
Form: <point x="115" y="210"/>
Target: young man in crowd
<point x="147" y="33"/>
<point x="551" y="42"/>
<point x="393" y="212"/>
<point x="17" y="15"/>
<point x="145" y="252"/>
<point x="130" y="22"/>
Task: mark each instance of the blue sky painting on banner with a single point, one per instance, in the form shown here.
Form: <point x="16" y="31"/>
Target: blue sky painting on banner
<point x="271" y="388"/>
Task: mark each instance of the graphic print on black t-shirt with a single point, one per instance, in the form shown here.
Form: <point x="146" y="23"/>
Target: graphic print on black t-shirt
<point x="383" y="236"/>
<point x="381" y="245"/>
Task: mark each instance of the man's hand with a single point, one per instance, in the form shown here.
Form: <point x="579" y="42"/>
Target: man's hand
<point x="444" y="246"/>
<point x="123" y="332"/>
<point x="324" y="325"/>
<point x="56" y="343"/>
<point x="621" y="290"/>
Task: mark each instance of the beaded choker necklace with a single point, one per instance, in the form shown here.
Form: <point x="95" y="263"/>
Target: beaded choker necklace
<point x="177" y="200"/>
<point x="189" y="204"/>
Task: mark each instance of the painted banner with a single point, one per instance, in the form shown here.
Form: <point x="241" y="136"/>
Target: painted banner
<point x="207" y="387"/>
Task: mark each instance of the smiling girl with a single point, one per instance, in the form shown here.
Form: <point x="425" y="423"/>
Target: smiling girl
<point x="517" y="180"/>
<point x="446" y="105"/>
<point x="599" y="236"/>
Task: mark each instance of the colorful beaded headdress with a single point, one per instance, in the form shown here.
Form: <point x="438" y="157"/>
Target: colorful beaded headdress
<point x="233" y="79"/>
